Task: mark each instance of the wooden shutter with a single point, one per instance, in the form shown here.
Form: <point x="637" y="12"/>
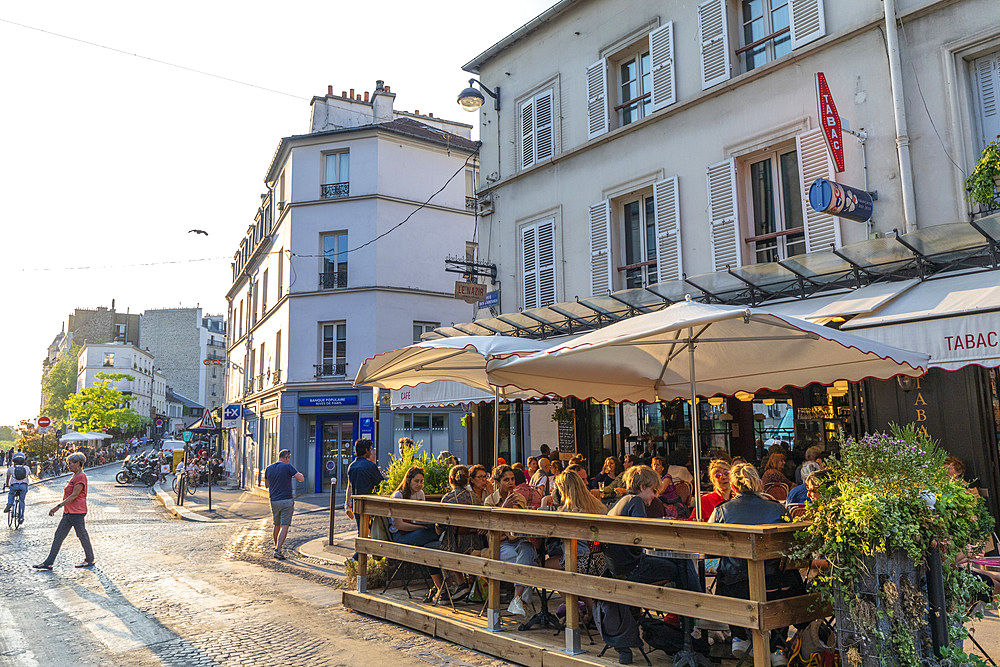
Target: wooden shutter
<point x="722" y="215"/>
<point x="527" y="134"/>
<point x="986" y="77"/>
<point x="822" y="230"/>
<point x="597" y="99"/>
<point x="600" y="248"/>
<point x="529" y="266"/>
<point x="546" y="263"/>
<point x="806" y="20"/>
<point x="713" y="34"/>
<point x="661" y="59"/>
<point x="544" y="136"/>
<point x="666" y="204"/>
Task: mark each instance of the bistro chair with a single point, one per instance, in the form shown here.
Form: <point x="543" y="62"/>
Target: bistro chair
<point x="777" y="490"/>
<point x="683" y="492"/>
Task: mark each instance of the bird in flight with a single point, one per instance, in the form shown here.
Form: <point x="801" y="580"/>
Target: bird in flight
<point x="197" y="231"/>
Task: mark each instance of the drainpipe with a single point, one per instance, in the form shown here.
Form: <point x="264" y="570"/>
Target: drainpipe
<point x="899" y="113"/>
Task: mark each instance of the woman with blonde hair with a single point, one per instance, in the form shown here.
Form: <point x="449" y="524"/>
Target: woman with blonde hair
<point x="722" y="489"/>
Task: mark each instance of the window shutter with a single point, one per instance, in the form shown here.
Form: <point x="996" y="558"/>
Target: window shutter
<point x="722" y="215"/>
<point x="661" y="59"/>
<point x="822" y="230"/>
<point x="529" y="266"/>
<point x="713" y="34"/>
<point x="600" y="248"/>
<point x="986" y="76"/>
<point x="528" y="134"/>
<point x="543" y="126"/>
<point x="597" y="98"/>
<point x="546" y="263"/>
<point x="669" y="265"/>
<point x="806" y="20"/>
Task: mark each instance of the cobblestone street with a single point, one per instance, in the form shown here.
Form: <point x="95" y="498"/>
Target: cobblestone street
<point x="170" y="592"/>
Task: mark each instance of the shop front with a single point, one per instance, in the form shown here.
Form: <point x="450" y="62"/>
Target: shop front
<point x="331" y="422"/>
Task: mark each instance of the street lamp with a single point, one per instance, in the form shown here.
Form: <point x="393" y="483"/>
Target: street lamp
<point x="471" y="98"/>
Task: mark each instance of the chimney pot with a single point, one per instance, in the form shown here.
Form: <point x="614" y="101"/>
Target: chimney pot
<point x="352" y="93"/>
<point x="379" y="85"/>
<point x="416" y="112"/>
<point x="329" y="90"/>
<point x="366" y="96"/>
<point x="343" y="93"/>
<point x="430" y="115"/>
<point x="358" y="98"/>
<point x="387" y="89"/>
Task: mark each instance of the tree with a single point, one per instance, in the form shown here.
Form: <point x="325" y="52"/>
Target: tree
<point x="7" y="434"/>
<point x="58" y="384"/>
<point x="29" y="440"/>
<point x="103" y="407"/>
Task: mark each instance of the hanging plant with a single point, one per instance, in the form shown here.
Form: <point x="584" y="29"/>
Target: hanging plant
<point x="466" y="419"/>
<point x="562" y="413"/>
<point x="983" y="183"/>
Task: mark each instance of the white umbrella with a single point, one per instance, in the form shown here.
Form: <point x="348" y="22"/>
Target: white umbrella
<point x="460" y="359"/>
<point x="690" y="349"/>
<point x="73" y="436"/>
<point x="94" y="435"/>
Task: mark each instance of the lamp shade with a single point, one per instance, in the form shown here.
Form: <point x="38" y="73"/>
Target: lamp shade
<point x="471" y="99"/>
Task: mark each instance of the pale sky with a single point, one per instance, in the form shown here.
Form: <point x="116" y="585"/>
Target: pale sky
<point x="107" y="160"/>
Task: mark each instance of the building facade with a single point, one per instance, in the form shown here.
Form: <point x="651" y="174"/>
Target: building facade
<point x="345" y="259"/>
<point x="147" y="387"/>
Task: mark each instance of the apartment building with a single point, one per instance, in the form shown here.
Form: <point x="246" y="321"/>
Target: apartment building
<point x="147" y="387"/>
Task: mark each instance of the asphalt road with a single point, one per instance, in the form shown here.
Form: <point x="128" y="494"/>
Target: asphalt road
<point x="169" y="592"/>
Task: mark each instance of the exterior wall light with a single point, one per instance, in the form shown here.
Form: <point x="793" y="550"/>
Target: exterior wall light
<point x="471" y="98"/>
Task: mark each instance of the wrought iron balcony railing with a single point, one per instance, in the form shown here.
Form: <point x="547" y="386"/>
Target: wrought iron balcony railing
<point x="331" y="369"/>
<point x="332" y="280"/>
<point x="980" y="210"/>
<point x="334" y="190"/>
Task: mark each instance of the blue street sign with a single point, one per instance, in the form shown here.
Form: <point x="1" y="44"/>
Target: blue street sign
<point x="492" y="300"/>
<point x="231" y="415"/>
<point x="366" y="427"/>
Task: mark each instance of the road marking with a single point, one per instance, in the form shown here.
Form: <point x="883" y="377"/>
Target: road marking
<point x="111" y="510"/>
<point x="13" y="642"/>
<point x="115" y="623"/>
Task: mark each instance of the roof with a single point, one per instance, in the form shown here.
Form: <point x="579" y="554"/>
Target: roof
<point x="405" y="127"/>
<point x="525" y="30"/>
<point x="174" y="397"/>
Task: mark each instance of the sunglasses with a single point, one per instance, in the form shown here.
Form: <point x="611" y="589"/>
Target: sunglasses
<point x="721" y="475"/>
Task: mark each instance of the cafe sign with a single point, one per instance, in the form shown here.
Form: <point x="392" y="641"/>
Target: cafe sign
<point x="469" y="292"/>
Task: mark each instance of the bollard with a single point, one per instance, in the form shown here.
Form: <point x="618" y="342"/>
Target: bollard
<point x="210" y="487"/>
<point x="333" y="507"/>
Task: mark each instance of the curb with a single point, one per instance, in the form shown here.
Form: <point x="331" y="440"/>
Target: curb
<point x="41" y="480"/>
<point x="183" y="513"/>
<point x="317" y="550"/>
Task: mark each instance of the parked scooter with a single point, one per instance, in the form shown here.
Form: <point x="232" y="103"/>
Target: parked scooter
<point x="137" y="469"/>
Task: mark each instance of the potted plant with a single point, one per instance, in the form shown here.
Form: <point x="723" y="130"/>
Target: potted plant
<point x="983" y="183"/>
<point x="562" y="413"/>
<point x="889" y="506"/>
<point x="435" y="472"/>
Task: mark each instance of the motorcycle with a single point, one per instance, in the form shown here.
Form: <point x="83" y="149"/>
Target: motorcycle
<point x="137" y="469"/>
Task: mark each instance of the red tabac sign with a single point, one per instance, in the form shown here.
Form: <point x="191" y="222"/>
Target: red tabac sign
<point x="829" y="119"/>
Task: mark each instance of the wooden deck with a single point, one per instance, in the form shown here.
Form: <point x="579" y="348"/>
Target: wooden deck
<point x="537" y="647"/>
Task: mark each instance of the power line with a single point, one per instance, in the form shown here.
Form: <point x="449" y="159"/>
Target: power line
<point x="123" y="266"/>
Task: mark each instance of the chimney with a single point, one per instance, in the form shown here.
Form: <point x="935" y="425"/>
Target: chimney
<point x="416" y="112"/>
<point x="382" y="101"/>
<point x="329" y="90"/>
<point x="366" y="96"/>
<point x="430" y="115"/>
<point x="352" y="93"/>
<point x="343" y="93"/>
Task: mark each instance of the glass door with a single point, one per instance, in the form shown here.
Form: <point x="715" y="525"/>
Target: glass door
<point x="337" y="443"/>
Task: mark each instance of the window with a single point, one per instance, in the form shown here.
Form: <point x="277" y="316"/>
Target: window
<point x="281" y="188"/>
<point x="213" y="390"/>
<point x="986" y="90"/>
<point x="334" y="350"/>
<point x="281" y="272"/>
<point x="215" y="371"/>
<point x="535" y="123"/>
<point x="634" y="83"/>
<point x="538" y="261"/>
<point x="277" y="353"/>
<point x="109" y="359"/>
<point x="336" y="175"/>
<point x="253" y="311"/>
<point x="429" y="431"/>
<point x="774" y="205"/>
<point x="334" y="274"/>
<point x="638" y="216"/>
<point x="420" y="328"/>
<point x="263" y="365"/>
<point x="241" y="317"/>
<point x="263" y="294"/>
<point x="471" y="185"/>
<point x="765" y="30"/>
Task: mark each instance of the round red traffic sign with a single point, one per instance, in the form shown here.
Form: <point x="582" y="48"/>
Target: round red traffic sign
<point x="43" y="422"/>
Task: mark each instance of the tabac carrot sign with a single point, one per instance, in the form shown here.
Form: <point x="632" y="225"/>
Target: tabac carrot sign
<point x="829" y="120"/>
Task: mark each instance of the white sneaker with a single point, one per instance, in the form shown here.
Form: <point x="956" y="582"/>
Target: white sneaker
<point x="527" y="596"/>
<point x="516" y="607"/>
<point x="740" y="647"/>
<point x="778" y="659"/>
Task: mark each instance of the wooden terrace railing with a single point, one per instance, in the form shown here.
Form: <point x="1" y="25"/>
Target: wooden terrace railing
<point x="756" y="544"/>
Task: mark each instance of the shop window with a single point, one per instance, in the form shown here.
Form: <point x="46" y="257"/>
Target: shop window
<point x="429" y="431"/>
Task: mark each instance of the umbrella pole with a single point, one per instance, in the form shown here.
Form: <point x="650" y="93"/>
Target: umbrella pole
<point x="695" y="441"/>
<point x="496" y="426"/>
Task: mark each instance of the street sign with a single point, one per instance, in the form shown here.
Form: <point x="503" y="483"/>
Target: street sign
<point x="492" y="300"/>
<point x="207" y="421"/>
<point x="186" y="436"/>
<point x="829" y="120"/>
<point x="159" y="423"/>
<point x="469" y="292"/>
<point x="43" y="422"/>
<point x="231" y="415"/>
<point x="42" y="430"/>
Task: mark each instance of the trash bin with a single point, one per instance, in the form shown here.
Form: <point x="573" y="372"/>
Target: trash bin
<point x="178" y="457"/>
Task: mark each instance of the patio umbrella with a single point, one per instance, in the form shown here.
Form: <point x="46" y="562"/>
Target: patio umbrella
<point x="73" y="436"/>
<point x="94" y="435"/>
<point x="692" y="349"/>
<point x="460" y="359"/>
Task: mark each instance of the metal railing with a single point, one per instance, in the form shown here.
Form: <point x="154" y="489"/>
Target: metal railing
<point x="334" y="190"/>
<point x="333" y="280"/>
<point x="276" y="377"/>
<point x="980" y="210"/>
<point x="331" y="369"/>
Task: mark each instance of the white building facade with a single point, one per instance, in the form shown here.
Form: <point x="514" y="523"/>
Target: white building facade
<point x="147" y="386"/>
<point x="344" y="260"/>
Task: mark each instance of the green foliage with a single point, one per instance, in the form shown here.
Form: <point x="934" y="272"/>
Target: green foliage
<point x="58" y="384"/>
<point x="7" y="433"/>
<point x="435" y="472"/>
<point x="102" y="407"/>
<point x="879" y="503"/>
<point x="980" y="183"/>
<point x="378" y="572"/>
<point x="30" y="442"/>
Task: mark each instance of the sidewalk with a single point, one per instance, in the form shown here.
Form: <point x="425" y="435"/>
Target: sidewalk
<point x="332" y="556"/>
<point x="234" y="504"/>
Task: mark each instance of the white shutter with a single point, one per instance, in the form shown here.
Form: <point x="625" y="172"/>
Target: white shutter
<point x="713" y="34"/>
<point x="544" y="137"/>
<point x="986" y="75"/>
<point x="666" y="204"/>
<point x="600" y="248"/>
<point x="822" y="230"/>
<point x="529" y="266"/>
<point x="661" y="59"/>
<point x="546" y="263"/>
<point x="527" y="133"/>
<point x="597" y="99"/>
<point x="806" y="20"/>
<point x="722" y="215"/>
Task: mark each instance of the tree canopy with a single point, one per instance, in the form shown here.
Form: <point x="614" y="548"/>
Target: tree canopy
<point x="58" y="384"/>
<point x="103" y="407"/>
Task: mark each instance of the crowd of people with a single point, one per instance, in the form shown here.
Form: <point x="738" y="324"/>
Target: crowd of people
<point x="54" y="462"/>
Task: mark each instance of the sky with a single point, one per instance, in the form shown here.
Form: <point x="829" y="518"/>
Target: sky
<point x="108" y="159"/>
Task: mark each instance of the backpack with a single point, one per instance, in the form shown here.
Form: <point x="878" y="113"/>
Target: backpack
<point x="617" y="624"/>
<point x="20" y="473"/>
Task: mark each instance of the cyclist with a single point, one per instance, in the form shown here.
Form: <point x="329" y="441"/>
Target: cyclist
<point x="17" y="481"/>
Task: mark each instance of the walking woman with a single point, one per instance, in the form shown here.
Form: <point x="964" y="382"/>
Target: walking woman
<point x="74" y="506"/>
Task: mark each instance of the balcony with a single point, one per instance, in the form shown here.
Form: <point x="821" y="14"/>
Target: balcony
<point x="333" y="280"/>
<point x="331" y="370"/>
<point x="335" y="190"/>
<point x="471" y="203"/>
<point x="276" y="377"/>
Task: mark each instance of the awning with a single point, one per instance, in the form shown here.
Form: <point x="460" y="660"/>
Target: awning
<point x="956" y="320"/>
<point x="438" y="394"/>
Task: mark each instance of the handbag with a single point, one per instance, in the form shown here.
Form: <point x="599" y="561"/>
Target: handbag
<point x="809" y="650"/>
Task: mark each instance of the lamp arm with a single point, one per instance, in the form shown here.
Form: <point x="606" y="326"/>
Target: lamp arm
<point x="495" y="94"/>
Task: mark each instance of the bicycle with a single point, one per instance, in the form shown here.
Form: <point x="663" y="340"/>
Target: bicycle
<point x="190" y="486"/>
<point x="15" y="517"/>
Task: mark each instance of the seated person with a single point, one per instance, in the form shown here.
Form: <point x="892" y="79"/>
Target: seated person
<point x="457" y="539"/>
<point x="555" y="499"/>
<point x="749" y="506"/>
<point x="542" y="479"/>
<point x="956" y="470"/>
<point x="513" y="548"/>
<point x="616" y="488"/>
<point x="607" y="474"/>
<point x="415" y="534"/>
<point x="718" y="472"/>
<point x="531" y="495"/>
<point x="802" y="493"/>
<point x="673" y="506"/>
<point x="480" y="485"/>
<point x="630" y="562"/>
<point x="774" y="470"/>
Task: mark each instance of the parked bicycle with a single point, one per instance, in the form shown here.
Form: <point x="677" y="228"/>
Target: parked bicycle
<point x="190" y="486"/>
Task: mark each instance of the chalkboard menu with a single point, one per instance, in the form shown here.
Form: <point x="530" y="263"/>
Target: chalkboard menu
<point x="567" y="434"/>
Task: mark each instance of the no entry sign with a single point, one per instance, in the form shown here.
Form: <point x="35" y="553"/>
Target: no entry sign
<point x="829" y="120"/>
<point x="44" y="422"/>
